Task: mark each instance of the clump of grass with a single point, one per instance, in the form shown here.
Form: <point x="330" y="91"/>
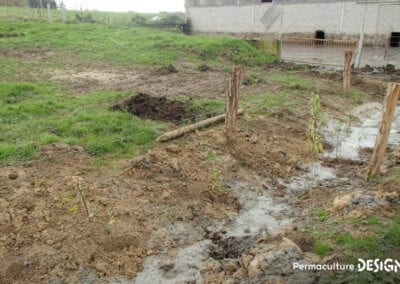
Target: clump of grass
<point x="266" y="103"/>
<point x="322" y="214"/>
<point x="253" y="78"/>
<point x="321" y="248"/>
<point x="202" y="67"/>
<point x="392" y="233"/>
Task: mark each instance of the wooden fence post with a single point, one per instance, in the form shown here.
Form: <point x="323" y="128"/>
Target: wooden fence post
<point x="389" y="105"/>
<point x="233" y="99"/>
<point x="348" y="56"/>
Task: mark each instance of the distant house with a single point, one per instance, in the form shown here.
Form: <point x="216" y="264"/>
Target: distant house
<point x="336" y="19"/>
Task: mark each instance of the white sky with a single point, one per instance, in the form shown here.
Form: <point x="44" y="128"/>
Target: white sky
<point x="146" y="6"/>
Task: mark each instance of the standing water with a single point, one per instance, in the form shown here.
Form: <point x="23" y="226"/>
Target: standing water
<point x="260" y="214"/>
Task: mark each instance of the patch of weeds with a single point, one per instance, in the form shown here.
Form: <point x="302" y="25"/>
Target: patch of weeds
<point x="357" y="96"/>
<point x="215" y="177"/>
<point x="292" y="83"/>
<point x="253" y="78"/>
<point x="167" y="69"/>
<point x="202" y="67"/>
<point x="321" y="248"/>
<point x="266" y="104"/>
<point x="369" y="245"/>
<point x="210" y="155"/>
<point x="202" y="108"/>
<point x="208" y="107"/>
<point x="111" y="219"/>
<point x="392" y="233"/>
<point x="322" y="214"/>
<point x="372" y="220"/>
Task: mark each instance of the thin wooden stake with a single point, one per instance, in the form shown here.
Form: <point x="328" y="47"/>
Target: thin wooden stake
<point x="232" y="101"/>
<point x="348" y="55"/>
<point x="389" y="105"/>
<point x="83" y="198"/>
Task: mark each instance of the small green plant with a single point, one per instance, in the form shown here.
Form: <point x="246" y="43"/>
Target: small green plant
<point x="202" y="67"/>
<point x="253" y="79"/>
<point x="321" y="248"/>
<point x="372" y="220"/>
<point x="322" y="214"/>
<point x="215" y="177"/>
<point x="77" y="200"/>
<point x="314" y="143"/>
<point x="210" y="155"/>
<point x="108" y="227"/>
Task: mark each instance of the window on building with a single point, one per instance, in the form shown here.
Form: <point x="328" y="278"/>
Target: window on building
<point x="266" y="1"/>
<point x="395" y="39"/>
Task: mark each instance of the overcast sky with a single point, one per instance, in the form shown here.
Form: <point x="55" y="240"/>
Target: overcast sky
<point x="147" y="6"/>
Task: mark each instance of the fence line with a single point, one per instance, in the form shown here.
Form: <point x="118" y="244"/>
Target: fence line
<point x="324" y="43"/>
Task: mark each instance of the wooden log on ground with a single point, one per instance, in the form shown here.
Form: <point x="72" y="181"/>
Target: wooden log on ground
<point x="389" y="105"/>
<point x="190" y="128"/>
<point x="348" y="55"/>
<point x="232" y="100"/>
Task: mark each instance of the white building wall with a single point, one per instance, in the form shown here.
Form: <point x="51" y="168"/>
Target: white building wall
<point x="380" y="19"/>
<point x="229" y="19"/>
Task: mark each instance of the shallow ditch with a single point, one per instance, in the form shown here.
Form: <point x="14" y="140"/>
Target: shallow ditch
<point x="261" y="213"/>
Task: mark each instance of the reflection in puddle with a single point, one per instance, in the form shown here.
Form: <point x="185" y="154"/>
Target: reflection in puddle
<point x="361" y="134"/>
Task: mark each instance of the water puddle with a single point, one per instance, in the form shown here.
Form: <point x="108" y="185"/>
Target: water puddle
<point x="261" y="214"/>
<point x="182" y="269"/>
<point x="348" y="139"/>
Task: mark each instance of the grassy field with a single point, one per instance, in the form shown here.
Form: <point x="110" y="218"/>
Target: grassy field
<point x="35" y="110"/>
<point x="115" y="18"/>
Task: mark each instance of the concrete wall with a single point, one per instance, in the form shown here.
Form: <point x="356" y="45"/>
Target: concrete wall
<point x="336" y="18"/>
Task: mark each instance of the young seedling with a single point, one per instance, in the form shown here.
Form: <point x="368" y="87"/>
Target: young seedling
<point x="108" y="227"/>
<point x="314" y="144"/>
<point x="83" y="199"/>
<point x="216" y="178"/>
<point x="76" y="201"/>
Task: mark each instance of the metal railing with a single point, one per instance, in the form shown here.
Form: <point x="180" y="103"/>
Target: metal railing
<point x="320" y="43"/>
<point x="313" y="51"/>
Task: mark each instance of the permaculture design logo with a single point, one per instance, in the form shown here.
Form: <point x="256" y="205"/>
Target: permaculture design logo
<point x="371" y="265"/>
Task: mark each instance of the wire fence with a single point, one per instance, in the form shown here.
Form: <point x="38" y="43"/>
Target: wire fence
<point x="315" y="51"/>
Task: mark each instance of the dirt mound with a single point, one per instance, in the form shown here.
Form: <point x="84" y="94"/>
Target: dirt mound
<point x="147" y="107"/>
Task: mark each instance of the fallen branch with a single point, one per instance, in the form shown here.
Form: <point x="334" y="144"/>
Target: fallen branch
<point x="190" y="128"/>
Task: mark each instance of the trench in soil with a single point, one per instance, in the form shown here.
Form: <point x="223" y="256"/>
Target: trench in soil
<point x="261" y="213"/>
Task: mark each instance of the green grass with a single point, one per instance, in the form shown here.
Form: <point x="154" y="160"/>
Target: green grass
<point x="128" y="45"/>
<point x="321" y="214"/>
<point x="32" y="115"/>
<point x="115" y="18"/>
<point x="35" y="113"/>
<point x="382" y="243"/>
<point x="292" y="83"/>
<point x="266" y="103"/>
<point x="321" y="248"/>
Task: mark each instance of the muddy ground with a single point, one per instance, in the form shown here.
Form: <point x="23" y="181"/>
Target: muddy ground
<point x="143" y="212"/>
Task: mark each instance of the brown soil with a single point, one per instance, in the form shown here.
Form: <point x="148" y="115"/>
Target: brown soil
<point x="162" y="200"/>
<point x="147" y="107"/>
